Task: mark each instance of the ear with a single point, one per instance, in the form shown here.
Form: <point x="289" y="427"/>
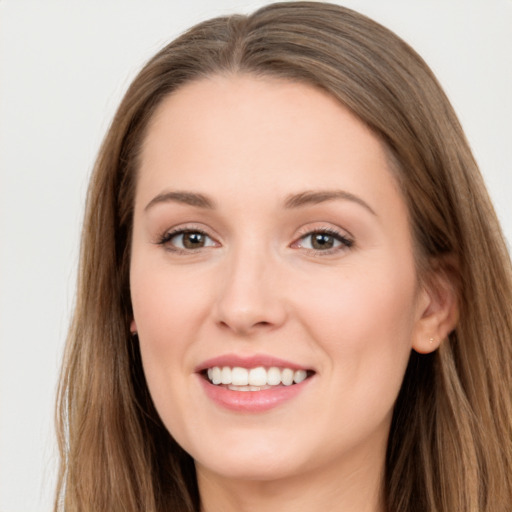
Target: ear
<point x="438" y="311"/>
<point x="133" y="327"/>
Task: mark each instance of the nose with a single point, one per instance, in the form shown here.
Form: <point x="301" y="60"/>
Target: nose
<point x="251" y="297"/>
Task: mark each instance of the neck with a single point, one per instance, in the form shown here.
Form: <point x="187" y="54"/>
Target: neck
<point x="359" y="489"/>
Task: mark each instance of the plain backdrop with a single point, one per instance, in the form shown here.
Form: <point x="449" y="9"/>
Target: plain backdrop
<point x="64" y="66"/>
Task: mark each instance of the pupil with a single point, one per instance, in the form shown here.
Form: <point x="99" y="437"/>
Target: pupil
<point x="193" y="240"/>
<point x="322" y="241"/>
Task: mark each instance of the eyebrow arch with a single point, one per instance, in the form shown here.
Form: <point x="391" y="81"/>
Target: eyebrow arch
<point x="310" y="197"/>
<point x="184" y="197"/>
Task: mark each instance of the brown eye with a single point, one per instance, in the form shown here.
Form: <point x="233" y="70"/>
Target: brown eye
<point x="187" y="240"/>
<point x="323" y="241"/>
<point x="193" y="240"/>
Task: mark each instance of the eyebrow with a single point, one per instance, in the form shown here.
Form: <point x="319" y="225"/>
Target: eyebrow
<point x="310" y="197"/>
<point x="183" y="197"/>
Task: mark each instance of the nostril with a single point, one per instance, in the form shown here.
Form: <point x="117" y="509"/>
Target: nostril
<point x="244" y="326"/>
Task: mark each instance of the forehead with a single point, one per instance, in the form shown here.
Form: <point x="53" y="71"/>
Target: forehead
<point x="228" y="132"/>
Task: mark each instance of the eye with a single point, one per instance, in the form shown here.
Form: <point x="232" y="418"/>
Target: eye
<point x="324" y="241"/>
<point x="187" y="240"/>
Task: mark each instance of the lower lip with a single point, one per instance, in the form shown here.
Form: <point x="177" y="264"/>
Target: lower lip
<point x="252" y="401"/>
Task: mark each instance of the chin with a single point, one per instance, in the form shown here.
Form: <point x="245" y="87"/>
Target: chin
<point x="252" y="460"/>
<point x="251" y="468"/>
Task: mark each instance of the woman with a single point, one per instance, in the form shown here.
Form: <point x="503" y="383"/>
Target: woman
<point x="293" y="288"/>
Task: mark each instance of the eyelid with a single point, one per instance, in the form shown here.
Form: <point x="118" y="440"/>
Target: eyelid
<point x="166" y="236"/>
<point x="346" y="240"/>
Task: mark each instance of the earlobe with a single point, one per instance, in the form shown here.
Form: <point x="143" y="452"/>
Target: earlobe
<point x="426" y="345"/>
<point x="438" y="312"/>
<point x="133" y="327"/>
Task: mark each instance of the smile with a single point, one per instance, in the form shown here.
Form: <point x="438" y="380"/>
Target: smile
<point x="254" y="379"/>
<point x="253" y="384"/>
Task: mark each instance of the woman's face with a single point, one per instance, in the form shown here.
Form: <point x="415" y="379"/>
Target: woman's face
<point x="271" y="245"/>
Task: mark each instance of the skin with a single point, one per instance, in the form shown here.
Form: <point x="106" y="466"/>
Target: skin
<point x="351" y="313"/>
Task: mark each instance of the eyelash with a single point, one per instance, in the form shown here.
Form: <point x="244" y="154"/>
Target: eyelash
<point x="165" y="239"/>
<point x="345" y="242"/>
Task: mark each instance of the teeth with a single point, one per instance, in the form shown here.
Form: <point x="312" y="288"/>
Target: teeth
<point x="239" y="376"/>
<point x="257" y="376"/>
<point x="287" y="377"/>
<point x="247" y="388"/>
<point x="274" y="376"/>
<point x="216" y="377"/>
<point x="254" y="379"/>
<point x="225" y="375"/>
<point x="299" y="376"/>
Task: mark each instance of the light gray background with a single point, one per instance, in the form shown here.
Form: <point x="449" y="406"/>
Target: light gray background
<point x="63" y="68"/>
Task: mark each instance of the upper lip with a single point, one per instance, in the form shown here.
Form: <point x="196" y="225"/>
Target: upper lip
<point x="253" y="361"/>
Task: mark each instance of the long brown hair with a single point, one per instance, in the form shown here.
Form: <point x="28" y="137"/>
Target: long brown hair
<point x="450" y="445"/>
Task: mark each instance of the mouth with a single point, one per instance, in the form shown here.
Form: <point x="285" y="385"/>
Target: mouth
<point x="260" y="378"/>
<point x="253" y="384"/>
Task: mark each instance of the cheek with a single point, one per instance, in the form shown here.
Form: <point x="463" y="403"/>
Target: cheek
<point x="166" y="304"/>
<point x="364" y="322"/>
<point x="168" y="307"/>
<point x="358" y="299"/>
